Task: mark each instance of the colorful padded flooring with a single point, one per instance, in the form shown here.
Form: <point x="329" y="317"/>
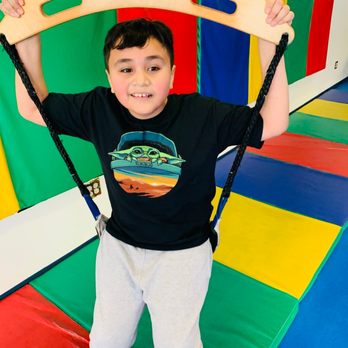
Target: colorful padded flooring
<point x="278" y="275"/>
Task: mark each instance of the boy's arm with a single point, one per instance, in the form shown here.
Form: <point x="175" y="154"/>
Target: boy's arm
<point x="29" y="51"/>
<point x="275" y="111"/>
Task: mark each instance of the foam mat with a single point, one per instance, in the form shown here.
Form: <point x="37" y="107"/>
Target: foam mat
<point x="319" y="127"/>
<point x="279" y="248"/>
<point x="299" y="189"/>
<point x="70" y="285"/>
<point x="326" y="109"/>
<point x="335" y="96"/>
<point x="29" y="320"/>
<point x="323" y="312"/>
<point x="342" y="86"/>
<point x="306" y="151"/>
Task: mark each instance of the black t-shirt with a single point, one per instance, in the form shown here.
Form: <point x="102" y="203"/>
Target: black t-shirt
<point x="159" y="172"/>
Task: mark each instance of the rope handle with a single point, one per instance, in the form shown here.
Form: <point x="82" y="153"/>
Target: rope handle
<point x="249" y="16"/>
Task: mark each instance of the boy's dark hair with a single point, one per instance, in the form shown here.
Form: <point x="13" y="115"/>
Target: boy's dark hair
<point x="135" y="33"/>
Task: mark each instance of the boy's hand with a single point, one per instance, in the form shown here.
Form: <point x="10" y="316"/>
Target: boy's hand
<point x="278" y="13"/>
<point x="12" y="8"/>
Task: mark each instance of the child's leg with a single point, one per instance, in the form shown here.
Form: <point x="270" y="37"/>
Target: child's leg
<point x="175" y="288"/>
<point x="119" y="302"/>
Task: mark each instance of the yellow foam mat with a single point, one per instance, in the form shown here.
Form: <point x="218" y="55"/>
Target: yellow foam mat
<point x="326" y="109"/>
<point x="8" y="199"/>
<point x="279" y="248"/>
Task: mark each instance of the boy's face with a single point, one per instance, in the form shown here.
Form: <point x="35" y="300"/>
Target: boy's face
<point x="141" y="78"/>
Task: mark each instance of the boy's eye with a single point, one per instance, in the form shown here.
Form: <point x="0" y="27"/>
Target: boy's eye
<point x="126" y="70"/>
<point x="153" y="68"/>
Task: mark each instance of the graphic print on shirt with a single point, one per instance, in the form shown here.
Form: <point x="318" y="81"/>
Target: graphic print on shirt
<point x="146" y="164"/>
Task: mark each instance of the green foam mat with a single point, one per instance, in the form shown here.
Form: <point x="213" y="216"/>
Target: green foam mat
<point x="70" y="285"/>
<point x="319" y="127"/>
<point x="243" y="312"/>
<point x="239" y="311"/>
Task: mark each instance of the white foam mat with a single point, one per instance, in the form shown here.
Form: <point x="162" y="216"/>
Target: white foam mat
<point x="39" y="236"/>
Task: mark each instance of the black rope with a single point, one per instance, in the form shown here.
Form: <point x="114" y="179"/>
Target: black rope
<point x="280" y="49"/>
<point x="14" y="56"/>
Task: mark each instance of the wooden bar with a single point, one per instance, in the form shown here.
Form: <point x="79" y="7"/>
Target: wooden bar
<point x="249" y="16"/>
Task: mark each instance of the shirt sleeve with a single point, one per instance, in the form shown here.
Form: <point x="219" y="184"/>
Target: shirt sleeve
<point x="70" y="114"/>
<point x="232" y="123"/>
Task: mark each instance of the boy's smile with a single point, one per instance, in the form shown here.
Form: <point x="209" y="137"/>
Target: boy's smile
<point x="141" y="77"/>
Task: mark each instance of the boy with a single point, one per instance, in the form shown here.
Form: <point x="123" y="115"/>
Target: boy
<point x="158" y="154"/>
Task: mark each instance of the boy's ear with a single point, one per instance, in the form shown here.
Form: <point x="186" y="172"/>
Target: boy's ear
<point x="109" y="79"/>
<point x="172" y="76"/>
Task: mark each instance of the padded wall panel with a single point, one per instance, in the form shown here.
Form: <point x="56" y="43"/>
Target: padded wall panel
<point x="37" y="171"/>
<point x="224" y="74"/>
<point x="8" y="200"/>
<point x="319" y="36"/>
<point x="296" y="55"/>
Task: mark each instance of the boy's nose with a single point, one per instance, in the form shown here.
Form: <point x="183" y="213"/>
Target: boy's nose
<point x="141" y="79"/>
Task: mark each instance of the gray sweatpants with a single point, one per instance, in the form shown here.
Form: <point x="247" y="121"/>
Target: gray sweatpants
<point x="173" y="284"/>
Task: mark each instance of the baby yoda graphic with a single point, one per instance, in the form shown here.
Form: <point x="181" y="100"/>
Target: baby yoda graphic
<point x="149" y="156"/>
<point x="146" y="163"/>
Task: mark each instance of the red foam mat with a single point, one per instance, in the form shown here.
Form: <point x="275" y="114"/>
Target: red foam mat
<point x="306" y="151"/>
<point x="29" y="320"/>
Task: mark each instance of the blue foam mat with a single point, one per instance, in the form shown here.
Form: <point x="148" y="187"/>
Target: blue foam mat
<point x="322" y="320"/>
<point x="295" y="188"/>
<point x="335" y="96"/>
<point x="342" y="86"/>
